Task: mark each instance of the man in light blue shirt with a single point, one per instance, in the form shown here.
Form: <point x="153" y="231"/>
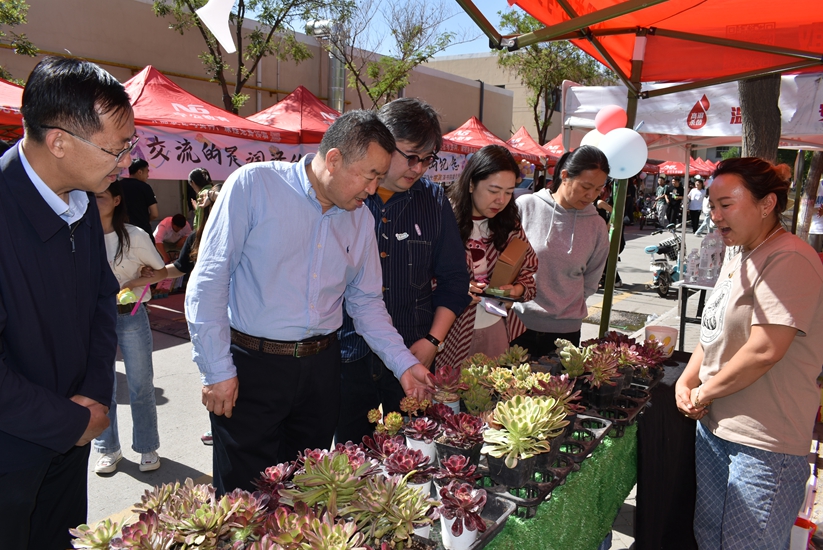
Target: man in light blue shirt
<point x="285" y="244"/>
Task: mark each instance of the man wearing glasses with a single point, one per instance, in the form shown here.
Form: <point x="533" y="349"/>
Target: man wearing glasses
<point x="57" y="296"/>
<point x="418" y="242"/>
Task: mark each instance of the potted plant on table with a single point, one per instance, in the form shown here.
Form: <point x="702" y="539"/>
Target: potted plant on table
<point x="420" y="435"/>
<point x="520" y="429"/>
<point x="415" y="465"/>
<point x="463" y="435"/>
<point x="460" y="514"/>
<point x="447" y="384"/>
<point x="455" y="467"/>
<point x="513" y="357"/>
<point x="561" y="389"/>
<point x="601" y="372"/>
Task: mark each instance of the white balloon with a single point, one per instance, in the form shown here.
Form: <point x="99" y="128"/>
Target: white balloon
<point x="592" y="138"/>
<point x="215" y="14"/>
<point x="626" y="150"/>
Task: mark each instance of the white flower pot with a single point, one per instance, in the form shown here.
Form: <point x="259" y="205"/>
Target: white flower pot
<point x="450" y="542"/>
<point x="453" y="405"/>
<point x="429" y="450"/>
<point x="423" y="531"/>
<point x="424" y="488"/>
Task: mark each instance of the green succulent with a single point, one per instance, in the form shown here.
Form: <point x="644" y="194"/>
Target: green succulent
<point x="157" y="498"/>
<point x="523" y="427"/>
<point x="327" y="534"/>
<point x="202" y="525"/>
<point x="513" y="357"/>
<point x="479" y="360"/>
<point x="387" y="509"/>
<point x="478" y="398"/>
<point x="287" y="528"/>
<point x="573" y="358"/>
<point x="330" y="481"/>
<point x="97" y="538"/>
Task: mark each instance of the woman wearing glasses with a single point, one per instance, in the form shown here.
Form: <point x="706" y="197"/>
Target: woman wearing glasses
<point x="488" y="221"/>
<point x="129" y="248"/>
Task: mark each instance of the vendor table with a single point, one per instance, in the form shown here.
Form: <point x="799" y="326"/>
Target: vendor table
<point x="686" y="290"/>
<point x="657" y="453"/>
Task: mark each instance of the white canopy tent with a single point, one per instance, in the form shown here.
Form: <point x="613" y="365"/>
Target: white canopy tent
<point x="676" y="123"/>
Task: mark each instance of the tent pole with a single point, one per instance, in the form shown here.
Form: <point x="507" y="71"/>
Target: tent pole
<point x="481" y="21"/>
<point x="798" y="187"/>
<point x="616" y="225"/>
<point x="684" y="211"/>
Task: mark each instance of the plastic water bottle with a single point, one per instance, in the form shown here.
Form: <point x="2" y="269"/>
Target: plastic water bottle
<point x="692" y="262"/>
<point x="718" y="255"/>
<point x="704" y="265"/>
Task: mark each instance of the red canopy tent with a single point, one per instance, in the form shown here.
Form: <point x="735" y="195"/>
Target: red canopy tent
<point x="301" y="112"/>
<point x="673" y="168"/>
<point x="179" y="132"/>
<point x="157" y="101"/>
<point x="703" y="168"/>
<point x="472" y="136"/>
<point x="11" y="121"/>
<point x="523" y="141"/>
<point x="555" y="146"/>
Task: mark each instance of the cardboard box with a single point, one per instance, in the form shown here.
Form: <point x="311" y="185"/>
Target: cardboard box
<point x="509" y="263"/>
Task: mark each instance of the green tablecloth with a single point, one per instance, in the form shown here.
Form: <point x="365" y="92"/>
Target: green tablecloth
<point x="580" y="513"/>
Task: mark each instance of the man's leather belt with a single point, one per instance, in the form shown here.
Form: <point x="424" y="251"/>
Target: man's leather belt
<point x="303" y="348"/>
<point x="125" y="308"/>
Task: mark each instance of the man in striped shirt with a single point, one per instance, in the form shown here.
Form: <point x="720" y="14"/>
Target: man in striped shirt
<point x="419" y="243"/>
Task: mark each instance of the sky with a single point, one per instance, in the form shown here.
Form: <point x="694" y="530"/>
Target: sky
<point x="462" y="21"/>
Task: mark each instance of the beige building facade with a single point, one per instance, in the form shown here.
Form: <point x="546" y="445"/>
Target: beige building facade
<point x="483" y="67"/>
<point x="123" y="36"/>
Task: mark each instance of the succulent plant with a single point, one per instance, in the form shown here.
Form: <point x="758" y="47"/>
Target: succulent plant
<point x="463" y="430"/>
<point x="147" y="533"/>
<point x="200" y="524"/>
<point x="650" y="354"/>
<point x="561" y="388"/>
<point x="456" y="467"/>
<point x="327" y="534"/>
<point x="601" y="368"/>
<point x="274" y="478"/>
<point x="439" y="412"/>
<point x="412" y="407"/>
<point x="479" y="360"/>
<point x="463" y="503"/>
<point x="612" y="336"/>
<point x="526" y="426"/>
<point x="357" y="455"/>
<point x="387" y="508"/>
<point x="479" y="397"/>
<point x="157" y="498"/>
<point x="391" y="424"/>
<point x="381" y="445"/>
<point x="330" y="481"/>
<point x="446" y="380"/>
<point x="513" y="357"/>
<point x="573" y="358"/>
<point x="97" y="538"/>
<point x="422" y="429"/>
<point x="286" y="528"/>
<point x="249" y="514"/>
<point x="410" y="461"/>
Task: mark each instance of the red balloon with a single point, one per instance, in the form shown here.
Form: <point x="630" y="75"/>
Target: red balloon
<point x="610" y="118"/>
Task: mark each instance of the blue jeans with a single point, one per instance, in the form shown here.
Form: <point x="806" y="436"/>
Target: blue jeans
<point x="707" y="226"/>
<point x="746" y="497"/>
<point x="134" y="339"/>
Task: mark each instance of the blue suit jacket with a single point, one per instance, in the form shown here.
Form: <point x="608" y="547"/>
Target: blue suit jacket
<point x="57" y="321"/>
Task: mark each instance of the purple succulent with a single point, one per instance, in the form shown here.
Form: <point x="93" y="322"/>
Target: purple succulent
<point x="447" y="378"/>
<point x="463" y="503"/>
<point x="456" y="467"/>
<point x="273" y="479"/>
<point x="422" y="429"/>
<point x="381" y="445"/>
<point x="463" y="430"/>
<point x="561" y="388"/>
<point x="439" y="412"/>
<point x="405" y="461"/>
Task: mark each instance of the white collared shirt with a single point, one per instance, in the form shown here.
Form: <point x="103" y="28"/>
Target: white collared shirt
<point x="78" y="200"/>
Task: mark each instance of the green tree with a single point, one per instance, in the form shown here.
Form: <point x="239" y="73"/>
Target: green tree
<point x="543" y="67"/>
<point x="416" y="36"/>
<point x="270" y="34"/>
<point x="12" y="14"/>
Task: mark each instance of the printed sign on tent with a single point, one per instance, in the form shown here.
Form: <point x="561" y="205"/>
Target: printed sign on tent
<point x="447" y="168"/>
<point x="172" y="153"/>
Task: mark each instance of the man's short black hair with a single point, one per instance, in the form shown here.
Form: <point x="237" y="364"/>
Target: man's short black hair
<point x="137" y="165"/>
<point x="72" y="94"/>
<point x="353" y="132"/>
<point x="178" y="220"/>
<point x="413" y="120"/>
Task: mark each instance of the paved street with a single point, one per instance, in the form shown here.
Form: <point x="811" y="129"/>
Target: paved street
<point x="183" y="419"/>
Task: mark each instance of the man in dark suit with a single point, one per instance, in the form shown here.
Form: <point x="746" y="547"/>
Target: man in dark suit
<point x="57" y="297"/>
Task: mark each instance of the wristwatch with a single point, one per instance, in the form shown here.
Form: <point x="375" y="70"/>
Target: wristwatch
<point x="437" y="343"/>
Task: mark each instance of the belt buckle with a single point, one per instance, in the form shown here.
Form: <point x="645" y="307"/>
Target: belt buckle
<point x="296" y="352"/>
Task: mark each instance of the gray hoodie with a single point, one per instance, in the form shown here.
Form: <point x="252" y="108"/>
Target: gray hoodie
<point x="572" y="247"/>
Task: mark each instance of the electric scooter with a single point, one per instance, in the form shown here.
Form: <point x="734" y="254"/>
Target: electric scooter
<point x="662" y="255"/>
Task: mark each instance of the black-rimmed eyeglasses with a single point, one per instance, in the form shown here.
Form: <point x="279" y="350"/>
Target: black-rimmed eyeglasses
<point x="414" y="160"/>
<point x="117" y="156"/>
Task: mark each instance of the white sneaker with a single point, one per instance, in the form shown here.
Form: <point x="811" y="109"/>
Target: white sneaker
<point x="107" y="463"/>
<point x="149" y="461"/>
